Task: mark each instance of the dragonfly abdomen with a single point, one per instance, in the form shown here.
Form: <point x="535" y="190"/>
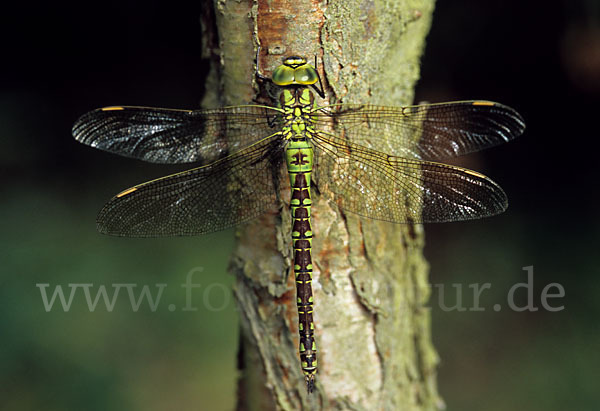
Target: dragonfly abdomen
<point x="299" y="159"/>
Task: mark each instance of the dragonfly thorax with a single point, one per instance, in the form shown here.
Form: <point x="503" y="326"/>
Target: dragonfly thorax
<point x="291" y="97"/>
<point x="297" y="105"/>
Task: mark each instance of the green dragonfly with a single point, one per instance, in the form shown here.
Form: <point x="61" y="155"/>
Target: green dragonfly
<point x="244" y="152"/>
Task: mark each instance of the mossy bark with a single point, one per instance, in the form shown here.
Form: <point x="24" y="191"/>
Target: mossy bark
<point x="370" y="280"/>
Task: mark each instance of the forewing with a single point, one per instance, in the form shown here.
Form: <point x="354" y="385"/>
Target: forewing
<point x="427" y="132"/>
<point x="198" y="201"/>
<point x="161" y="135"/>
<point x="400" y="190"/>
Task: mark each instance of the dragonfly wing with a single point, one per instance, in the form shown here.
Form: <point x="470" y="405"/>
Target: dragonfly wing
<point x="201" y="200"/>
<point x="161" y="135"/>
<point x="400" y="190"/>
<point x="427" y="132"/>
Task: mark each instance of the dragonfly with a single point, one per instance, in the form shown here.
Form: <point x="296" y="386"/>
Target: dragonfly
<point x="243" y="154"/>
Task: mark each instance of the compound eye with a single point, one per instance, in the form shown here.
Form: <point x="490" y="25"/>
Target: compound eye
<point x="283" y="75"/>
<point x="306" y="75"/>
<point x="295" y="70"/>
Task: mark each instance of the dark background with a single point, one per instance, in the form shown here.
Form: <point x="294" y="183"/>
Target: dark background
<point x="59" y="61"/>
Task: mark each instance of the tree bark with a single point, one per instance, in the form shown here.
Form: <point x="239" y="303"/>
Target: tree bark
<point x="370" y="278"/>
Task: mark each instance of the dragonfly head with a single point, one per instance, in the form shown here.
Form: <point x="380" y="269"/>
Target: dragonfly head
<point x="295" y="71"/>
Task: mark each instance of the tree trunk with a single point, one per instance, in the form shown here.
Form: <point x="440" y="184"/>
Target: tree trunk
<point x="370" y="277"/>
